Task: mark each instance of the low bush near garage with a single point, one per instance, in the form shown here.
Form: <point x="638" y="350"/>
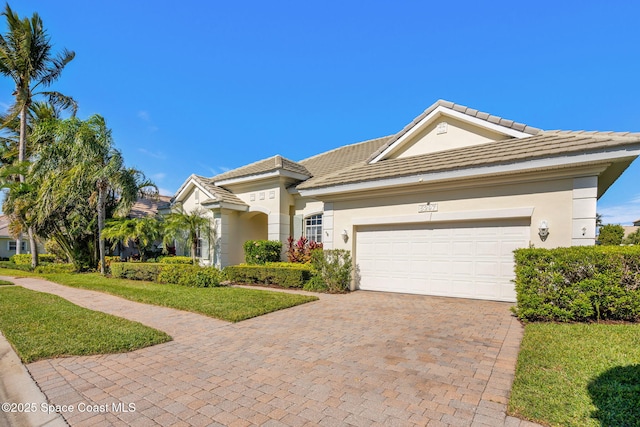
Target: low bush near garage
<point x="333" y="267"/>
<point x="583" y="283"/>
<point x="136" y="271"/>
<point x="287" y="276"/>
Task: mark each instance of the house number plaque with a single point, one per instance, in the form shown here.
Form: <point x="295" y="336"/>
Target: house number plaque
<point x="428" y="207"/>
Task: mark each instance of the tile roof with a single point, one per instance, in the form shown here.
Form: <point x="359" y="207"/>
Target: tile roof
<point x="219" y="193"/>
<point x="461" y="109"/>
<point x="342" y="157"/>
<point x="271" y="164"/>
<point x="544" y="144"/>
<point x="148" y="206"/>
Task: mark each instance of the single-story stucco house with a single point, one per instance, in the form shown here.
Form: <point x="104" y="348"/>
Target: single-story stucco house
<point x="435" y="209"/>
<point x="8" y="244"/>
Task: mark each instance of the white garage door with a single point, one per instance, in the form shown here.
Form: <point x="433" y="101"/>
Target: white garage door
<point x="471" y="260"/>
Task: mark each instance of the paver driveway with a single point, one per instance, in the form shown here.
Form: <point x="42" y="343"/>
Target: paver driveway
<point x="359" y="359"/>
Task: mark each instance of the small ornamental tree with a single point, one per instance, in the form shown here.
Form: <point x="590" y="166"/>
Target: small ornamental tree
<point x="611" y="234"/>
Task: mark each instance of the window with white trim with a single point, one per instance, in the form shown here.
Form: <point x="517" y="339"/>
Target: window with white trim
<point x="11" y="246"/>
<point x="313" y="228"/>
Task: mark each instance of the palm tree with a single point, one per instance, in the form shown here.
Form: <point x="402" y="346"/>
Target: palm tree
<point x="192" y="226"/>
<point x="82" y="159"/>
<point x="142" y="232"/>
<point x="25" y="57"/>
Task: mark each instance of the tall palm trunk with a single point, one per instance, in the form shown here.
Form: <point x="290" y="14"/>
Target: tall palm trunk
<point x="102" y="202"/>
<point x="22" y="150"/>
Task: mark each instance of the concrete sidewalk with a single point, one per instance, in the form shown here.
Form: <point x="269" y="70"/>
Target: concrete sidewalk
<point x="358" y="359"/>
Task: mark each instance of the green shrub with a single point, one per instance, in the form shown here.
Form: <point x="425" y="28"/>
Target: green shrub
<point x="14" y="266"/>
<point x="190" y="275"/>
<point x="55" y="268"/>
<point x="582" y="283"/>
<point x="135" y="271"/>
<point x="261" y="251"/>
<point x="334" y="267"/>
<point x="25" y="259"/>
<point x="108" y="260"/>
<point x="611" y="234"/>
<point x="315" y="284"/>
<point x="287" y="277"/>
<point x="176" y="260"/>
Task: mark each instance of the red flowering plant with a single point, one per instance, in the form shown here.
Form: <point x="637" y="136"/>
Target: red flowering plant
<point x="300" y="250"/>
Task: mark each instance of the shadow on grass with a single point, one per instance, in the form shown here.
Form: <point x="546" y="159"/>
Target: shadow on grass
<point x="616" y="394"/>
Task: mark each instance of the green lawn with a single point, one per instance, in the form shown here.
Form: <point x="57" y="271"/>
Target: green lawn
<point x="41" y="326"/>
<point x="578" y="375"/>
<point x="225" y="303"/>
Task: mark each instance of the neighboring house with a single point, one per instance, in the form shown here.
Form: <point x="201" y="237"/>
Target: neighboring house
<point x="143" y="207"/>
<point x="436" y="209"/>
<point x="8" y="244"/>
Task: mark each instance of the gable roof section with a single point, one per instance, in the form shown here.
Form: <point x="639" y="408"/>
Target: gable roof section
<point x="263" y="167"/>
<point x="546" y="144"/>
<point x="217" y="194"/>
<point x="342" y="157"/>
<point x="212" y="193"/>
<point x="461" y="112"/>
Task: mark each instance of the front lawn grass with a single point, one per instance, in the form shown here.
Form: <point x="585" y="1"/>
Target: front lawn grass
<point x="578" y="375"/>
<point x="224" y="303"/>
<point x="41" y="325"/>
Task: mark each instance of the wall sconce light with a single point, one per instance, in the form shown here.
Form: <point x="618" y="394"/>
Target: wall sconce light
<point x="344" y="235"/>
<point x="584" y="231"/>
<point x="543" y="230"/>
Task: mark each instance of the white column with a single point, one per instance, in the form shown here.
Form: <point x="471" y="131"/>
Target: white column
<point x="585" y="196"/>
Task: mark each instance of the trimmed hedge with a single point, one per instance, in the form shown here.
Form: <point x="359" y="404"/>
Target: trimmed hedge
<point x="136" y="271"/>
<point x="190" y="275"/>
<point x="54" y="268"/>
<point x="285" y="276"/>
<point x="176" y="260"/>
<point x="582" y="283"/>
<point x="262" y="251"/>
<point x="25" y="259"/>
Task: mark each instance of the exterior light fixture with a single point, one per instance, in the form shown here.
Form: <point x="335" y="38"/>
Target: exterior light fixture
<point x="345" y="236"/>
<point x="543" y="230"/>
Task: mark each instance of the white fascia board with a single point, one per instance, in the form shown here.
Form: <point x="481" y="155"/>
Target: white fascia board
<point x="225" y="205"/>
<point x="191" y="182"/>
<point x="485" y="214"/>
<point x="440" y="110"/>
<point x="564" y="161"/>
<point x="266" y="175"/>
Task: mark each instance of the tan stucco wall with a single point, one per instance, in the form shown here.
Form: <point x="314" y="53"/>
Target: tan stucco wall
<point x="551" y="201"/>
<point x="459" y="134"/>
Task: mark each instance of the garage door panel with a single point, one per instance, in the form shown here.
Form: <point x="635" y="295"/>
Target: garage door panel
<point x="473" y="260"/>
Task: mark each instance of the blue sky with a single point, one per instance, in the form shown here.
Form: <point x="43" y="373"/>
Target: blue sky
<point x="206" y="86"/>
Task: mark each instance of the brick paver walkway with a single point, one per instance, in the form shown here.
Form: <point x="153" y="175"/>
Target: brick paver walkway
<point x="359" y="359"/>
